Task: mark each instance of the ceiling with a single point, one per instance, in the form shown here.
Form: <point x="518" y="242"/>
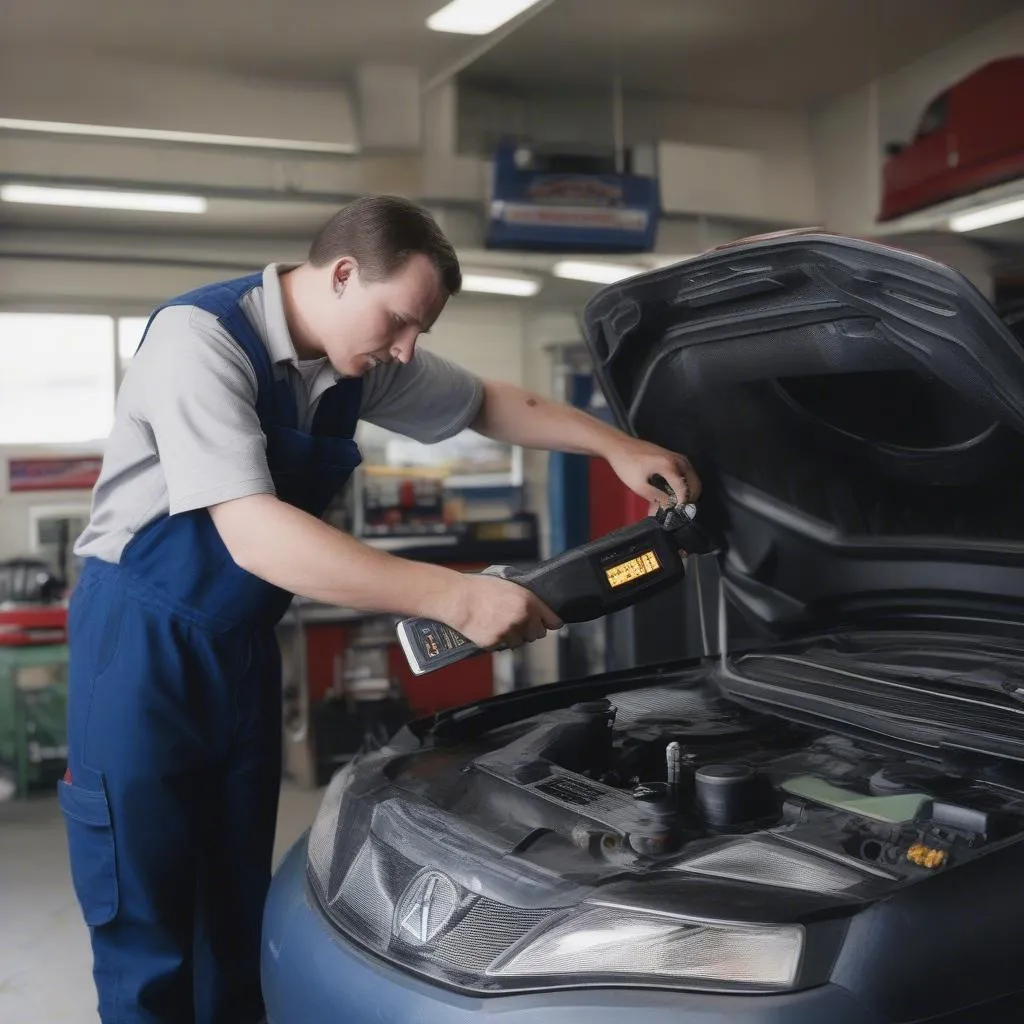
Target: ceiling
<point x="787" y="53"/>
<point x="304" y="40"/>
<point x="755" y="53"/>
<point x="765" y="53"/>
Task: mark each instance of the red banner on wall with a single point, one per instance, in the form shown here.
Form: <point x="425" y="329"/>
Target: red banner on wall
<point x="53" y="474"/>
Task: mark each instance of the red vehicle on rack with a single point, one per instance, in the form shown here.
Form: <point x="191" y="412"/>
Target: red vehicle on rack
<point x="970" y="137"/>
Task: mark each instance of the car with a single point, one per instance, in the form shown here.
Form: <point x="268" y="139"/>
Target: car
<point x="970" y="137"/>
<point x="821" y="819"/>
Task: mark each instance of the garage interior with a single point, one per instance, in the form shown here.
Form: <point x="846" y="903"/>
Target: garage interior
<point x="145" y="152"/>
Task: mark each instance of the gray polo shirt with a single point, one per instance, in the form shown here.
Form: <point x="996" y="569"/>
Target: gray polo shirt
<point x="186" y="434"/>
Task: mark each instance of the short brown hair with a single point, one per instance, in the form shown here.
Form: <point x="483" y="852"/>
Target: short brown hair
<point x="381" y="233"/>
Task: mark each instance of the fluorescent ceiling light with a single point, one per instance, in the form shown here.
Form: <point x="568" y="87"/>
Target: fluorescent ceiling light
<point x="596" y="273"/>
<point x="521" y="287"/>
<point x="476" y="17"/>
<point x="107" y="131"/>
<point x="987" y="216"/>
<point x="102" y="199"/>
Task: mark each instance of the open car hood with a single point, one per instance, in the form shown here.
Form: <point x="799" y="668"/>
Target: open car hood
<point x="856" y="413"/>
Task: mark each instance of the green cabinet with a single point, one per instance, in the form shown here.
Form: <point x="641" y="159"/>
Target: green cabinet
<point x="33" y="715"/>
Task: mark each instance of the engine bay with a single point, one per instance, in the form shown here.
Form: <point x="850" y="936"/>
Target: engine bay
<point x="650" y="776"/>
<point x="667" y="799"/>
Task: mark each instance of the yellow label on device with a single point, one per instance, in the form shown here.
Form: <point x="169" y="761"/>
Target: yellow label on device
<point x="634" y="569"/>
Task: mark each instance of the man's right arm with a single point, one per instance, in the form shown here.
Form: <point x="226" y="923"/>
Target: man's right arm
<point x="308" y="557"/>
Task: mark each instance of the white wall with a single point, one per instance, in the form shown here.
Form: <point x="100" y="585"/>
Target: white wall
<point x="483" y="335"/>
<point x="314" y="124"/>
<point x="847" y="161"/>
<point x="119" y="93"/>
<point x="259" y="173"/>
<point x="727" y="181"/>
<point x="76" y="286"/>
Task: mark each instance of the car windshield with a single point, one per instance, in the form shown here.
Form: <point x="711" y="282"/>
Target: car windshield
<point x="934" y="117"/>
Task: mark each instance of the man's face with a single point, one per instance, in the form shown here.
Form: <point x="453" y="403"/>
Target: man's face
<point x="374" y="322"/>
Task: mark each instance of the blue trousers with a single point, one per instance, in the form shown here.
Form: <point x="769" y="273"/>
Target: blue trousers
<point x="170" y="801"/>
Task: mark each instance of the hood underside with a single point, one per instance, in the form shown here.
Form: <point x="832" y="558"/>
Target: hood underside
<point x="856" y="413"/>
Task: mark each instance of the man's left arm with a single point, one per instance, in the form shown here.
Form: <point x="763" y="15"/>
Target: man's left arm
<point x="516" y="416"/>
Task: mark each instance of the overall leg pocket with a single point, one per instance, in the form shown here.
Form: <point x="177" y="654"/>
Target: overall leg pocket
<point x="91" y="849"/>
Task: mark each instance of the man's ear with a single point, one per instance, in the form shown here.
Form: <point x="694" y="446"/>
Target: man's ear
<point x="342" y="273"/>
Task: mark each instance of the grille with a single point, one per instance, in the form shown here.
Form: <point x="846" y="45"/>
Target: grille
<point x="372" y="889"/>
<point x="486" y="932"/>
<point x="571" y="791"/>
<point x="768" y="864"/>
<point x="417" y="914"/>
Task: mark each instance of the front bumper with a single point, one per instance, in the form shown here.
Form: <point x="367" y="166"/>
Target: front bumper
<point x="313" y="975"/>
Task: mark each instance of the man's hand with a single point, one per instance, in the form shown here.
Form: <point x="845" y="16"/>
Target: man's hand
<point x="635" y="462"/>
<point x="493" y="612"/>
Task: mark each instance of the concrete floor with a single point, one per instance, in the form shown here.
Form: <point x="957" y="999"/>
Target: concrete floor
<point x="45" y="960"/>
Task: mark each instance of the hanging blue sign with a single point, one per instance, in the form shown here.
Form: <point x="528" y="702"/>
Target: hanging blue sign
<point x="538" y="209"/>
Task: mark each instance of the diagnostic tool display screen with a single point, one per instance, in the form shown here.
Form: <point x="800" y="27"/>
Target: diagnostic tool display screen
<point x="632" y="569"/>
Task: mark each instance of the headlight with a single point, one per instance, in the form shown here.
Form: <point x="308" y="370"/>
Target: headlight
<point x="606" y="940"/>
<point x="320" y="847"/>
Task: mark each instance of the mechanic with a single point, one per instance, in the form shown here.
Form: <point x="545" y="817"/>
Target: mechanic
<point x="233" y="432"/>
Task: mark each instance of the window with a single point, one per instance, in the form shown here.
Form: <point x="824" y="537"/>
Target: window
<point x="57" y="384"/>
<point x="934" y="117"/>
<point x="129" y="334"/>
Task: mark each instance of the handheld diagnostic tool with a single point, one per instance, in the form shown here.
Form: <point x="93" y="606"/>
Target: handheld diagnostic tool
<point x="605" y="575"/>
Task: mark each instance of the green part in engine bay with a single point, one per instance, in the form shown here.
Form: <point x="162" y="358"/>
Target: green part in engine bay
<point x="894" y="810"/>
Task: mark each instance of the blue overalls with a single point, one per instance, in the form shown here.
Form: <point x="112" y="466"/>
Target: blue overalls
<point x="174" y="729"/>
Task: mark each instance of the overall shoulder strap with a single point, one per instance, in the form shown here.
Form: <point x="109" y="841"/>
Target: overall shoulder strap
<point x="338" y="410"/>
<point x="224" y="301"/>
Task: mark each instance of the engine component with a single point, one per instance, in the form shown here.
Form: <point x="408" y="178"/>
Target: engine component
<point x="926" y="856"/>
<point x="599" y="716"/>
<point x="729" y="794"/>
<point x="893" y="810"/>
<point x="673" y="772"/>
<point x="963" y="819"/>
<point x="903" y="778"/>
